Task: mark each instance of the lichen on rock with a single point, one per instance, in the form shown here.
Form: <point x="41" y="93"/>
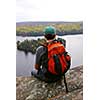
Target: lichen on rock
<point x="30" y="88"/>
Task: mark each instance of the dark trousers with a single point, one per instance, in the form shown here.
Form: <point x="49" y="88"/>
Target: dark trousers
<point x="45" y="76"/>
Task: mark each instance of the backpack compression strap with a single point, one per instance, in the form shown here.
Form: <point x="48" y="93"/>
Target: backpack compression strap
<point x="65" y="84"/>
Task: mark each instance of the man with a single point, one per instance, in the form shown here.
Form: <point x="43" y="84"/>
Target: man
<point x="41" y="63"/>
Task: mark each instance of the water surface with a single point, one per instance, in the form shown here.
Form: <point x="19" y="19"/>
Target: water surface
<point x="25" y="62"/>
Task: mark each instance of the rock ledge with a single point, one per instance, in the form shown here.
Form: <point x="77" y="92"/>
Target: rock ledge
<point x="30" y="88"/>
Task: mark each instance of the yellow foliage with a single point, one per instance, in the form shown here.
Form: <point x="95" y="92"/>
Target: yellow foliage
<point x="39" y="28"/>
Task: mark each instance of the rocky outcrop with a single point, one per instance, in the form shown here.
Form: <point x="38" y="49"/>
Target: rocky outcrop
<point x="30" y="88"/>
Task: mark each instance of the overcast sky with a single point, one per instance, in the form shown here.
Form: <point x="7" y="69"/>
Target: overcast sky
<point x="48" y="10"/>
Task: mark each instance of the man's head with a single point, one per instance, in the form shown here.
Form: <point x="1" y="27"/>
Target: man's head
<point x="49" y="32"/>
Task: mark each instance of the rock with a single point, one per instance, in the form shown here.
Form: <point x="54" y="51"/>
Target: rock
<point x="74" y="95"/>
<point x="30" y="88"/>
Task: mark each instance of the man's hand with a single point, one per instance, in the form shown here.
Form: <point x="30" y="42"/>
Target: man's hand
<point x="36" y="66"/>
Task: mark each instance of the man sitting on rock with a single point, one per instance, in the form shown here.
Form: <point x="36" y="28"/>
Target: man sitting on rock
<point x="52" y="60"/>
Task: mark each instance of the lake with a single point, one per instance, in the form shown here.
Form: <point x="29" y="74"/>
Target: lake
<point x="25" y="62"/>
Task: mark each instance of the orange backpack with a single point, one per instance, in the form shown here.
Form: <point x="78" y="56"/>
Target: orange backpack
<point x="58" y="58"/>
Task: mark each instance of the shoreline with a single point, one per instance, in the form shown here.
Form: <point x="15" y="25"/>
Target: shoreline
<point x="59" y="34"/>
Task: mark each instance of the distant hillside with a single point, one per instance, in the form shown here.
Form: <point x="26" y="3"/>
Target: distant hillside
<point x="44" y="23"/>
<point x="36" y="28"/>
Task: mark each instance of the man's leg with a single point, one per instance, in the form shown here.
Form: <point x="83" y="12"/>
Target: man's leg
<point x="40" y="75"/>
<point x="33" y="72"/>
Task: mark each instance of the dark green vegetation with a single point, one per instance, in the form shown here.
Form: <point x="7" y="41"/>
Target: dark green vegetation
<point x="29" y="45"/>
<point x="32" y="45"/>
<point x="36" y="28"/>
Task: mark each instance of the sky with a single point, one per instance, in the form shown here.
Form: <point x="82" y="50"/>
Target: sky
<point x="48" y="10"/>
